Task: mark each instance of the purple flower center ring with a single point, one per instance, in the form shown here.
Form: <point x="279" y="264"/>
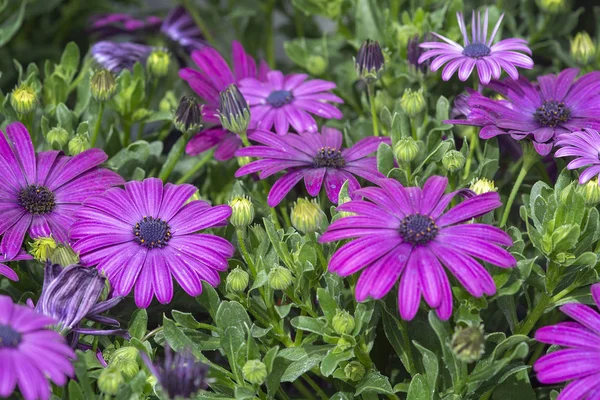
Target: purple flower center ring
<point x="552" y="113"/>
<point x="280" y="98"/>
<point x="330" y="158"/>
<point x="9" y="337"/>
<point x="37" y="200"/>
<point x="418" y="229"/>
<point x="152" y="232"/>
<point x="476" y="50"/>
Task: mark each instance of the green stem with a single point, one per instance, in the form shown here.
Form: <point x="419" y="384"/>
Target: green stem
<point x="304" y="391"/>
<point x="97" y="124"/>
<point x="274" y="216"/>
<point x="371" y="93"/>
<point x="240" y="236"/>
<point x="199" y="21"/>
<point x="152" y="333"/>
<point x="322" y="259"/>
<point x="411" y="368"/>
<point x="126" y="133"/>
<point x="192" y="171"/>
<point x="315" y="387"/>
<point x="286" y="215"/>
<point x="298" y="20"/>
<point x="269" y="31"/>
<point x="528" y="161"/>
<point x="395" y="9"/>
<point x="474" y="143"/>
<point x="151" y="93"/>
<point x="173" y="157"/>
<point x="535" y="315"/>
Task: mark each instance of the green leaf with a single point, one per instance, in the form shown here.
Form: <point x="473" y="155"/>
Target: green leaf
<point x="209" y="299"/>
<point x="12" y="24"/>
<point x="374" y="383"/>
<point x="82" y="376"/>
<point x="442" y="330"/>
<point x="75" y="392"/>
<point x="418" y="389"/>
<point x="232" y="313"/>
<point x="186" y="320"/>
<point x="308" y="324"/>
<point x="298" y="368"/>
<point x="385" y="158"/>
<point x="69" y="62"/>
<point x="138" y="323"/>
<point x="431" y="366"/>
<point x="327" y="303"/>
<point x="368" y="20"/>
<point x="333" y="359"/>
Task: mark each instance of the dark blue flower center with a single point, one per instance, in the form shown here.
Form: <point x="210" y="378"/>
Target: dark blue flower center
<point x="36" y="199"/>
<point x="9" y="337"/>
<point x="329" y="157"/>
<point x="476" y="50"/>
<point x="152" y="232"/>
<point x="280" y="98"/>
<point x="418" y="229"/>
<point x="552" y="113"/>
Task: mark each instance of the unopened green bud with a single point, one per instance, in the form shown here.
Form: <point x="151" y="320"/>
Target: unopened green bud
<point x="413" y="102"/>
<point x="307" y="216"/>
<point x="158" y="63"/>
<point x="125" y="360"/>
<point x="244" y="160"/>
<point x="453" y="161"/>
<point x="552" y="6"/>
<point x="591" y="192"/>
<point x="342" y="322"/>
<point x="79" y="144"/>
<point x="468" y="344"/>
<point x="237" y="280"/>
<point x="369" y="62"/>
<point x="316" y="65"/>
<point x="242" y="211"/>
<point x="483" y="185"/>
<point x="57" y="137"/>
<point x="279" y="278"/>
<point x="188" y="117"/>
<point x="169" y="102"/>
<point x="23" y="98"/>
<point x="64" y="255"/>
<point x="354" y="371"/>
<point x="583" y="49"/>
<point x="42" y="248"/>
<point x="103" y="85"/>
<point x="406" y="150"/>
<point x="255" y="372"/>
<point x="109" y="381"/>
<point x="234" y="112"/>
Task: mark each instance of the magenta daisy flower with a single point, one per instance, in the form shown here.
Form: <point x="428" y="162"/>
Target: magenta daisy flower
<point x="282" y="101"/>
<point x="211" y="78"/>
<point x="405" y="234"/>
<point x="40" y="192"/>
<point x="29" y="352"/>
<point x="579" y="361"/>
<point x="490" y="59"/>
<point x="109" y="25"/>
<point x="557" y="104"/>
<point x="145" y="235"/>
<point x="585" y="147"/>
<point x="6" y="271"/>
<point x="317" y="157"/>
<point x="117" y="56"/>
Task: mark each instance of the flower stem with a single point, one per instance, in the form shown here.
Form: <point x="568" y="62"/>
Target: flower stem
<point x="535" y="315"/>
<point x="411" y="368"/>
<point x="173" y="157"/>
<point x="97" y="124"/>
<point x="474" y="143"/>
<point x="528" y="162"/>
<point x="371" y="93"/>
<point x="315" y="386"/>
<point x="304" y="391"/>
<point x="201" y="162"/>
<point x="240" y="236"/>
<point x="199" y="21"/>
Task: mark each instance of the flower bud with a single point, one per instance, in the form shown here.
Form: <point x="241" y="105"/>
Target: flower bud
<point x="109" y="381"/>
<point x="158" y="63"/>
<point x="342" y="322"/>
<point x="57" y="137"/>
<point x="188" y="117"/>
<point x="42" y="248"/>
<point x="590" y="191"/>
<point x="64" y="255"/>
<point x="369" y="62"/>
<point x="453" y="161"/>
<point x="23" y="98"/>
<point x="244" y="161"/>
<point x="124" y="360"/>
<point x="237" y="280"/>
<point x="103" y="85"/>
<point x="413" y="102"/>
<point x="583" y="49"/>
<point x="552" y="6"/>
<point x="234" y="112"/>
<point x="279" y="278"/>
<point x="242" y="211"/>
<point x="307" y="216"/>
<point x="354" y="371"/>
<point x="316" y="65"/>
<point x="406" y="150"/>
<point x="255" y="372"/>
<point x="79" y="144"/>
<point x="168" y="103"/>
<point x="468" y="344"/>
<point x="483" y="185"/>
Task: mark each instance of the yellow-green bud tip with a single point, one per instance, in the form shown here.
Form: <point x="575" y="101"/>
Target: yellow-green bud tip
<point x="255" y="372"/>
<point x="583" y="49"/>
<point x="343" y="323"/>
<point x="79" y="144"/>
<point x="354" y="371"/>
<point x="453" y="161"/>
<point x="158" y="63"/>
<point x="64" y="255"/>
<point x="413" y="102"/>
<point x="483" y="185"/>
<point x="242" y="211"/>
<point x="307" y="216"/>
<point x="103" y="85"/>
<point x="468" y="344"/>
<point x="237" y="280"/>
<point x="109" y="381"/>
<point x="552" y="6"/>
<point x="279" y="278"/>
<point x="591" y="192"/>
<point x="42" y="248"/>
<point x="23" y="99"/>
<point x="406" y="150"/>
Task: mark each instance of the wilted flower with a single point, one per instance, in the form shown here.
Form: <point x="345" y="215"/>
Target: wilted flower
<point x="369" y="61"/>
<point x="117" y="56"/>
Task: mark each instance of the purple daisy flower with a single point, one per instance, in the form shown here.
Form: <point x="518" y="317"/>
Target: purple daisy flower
<point x="282" y="101"/>
<point x="40" y="192"/>
<point x="211" y="78"/>
<point x="579" y="362"/>
<point x="117" y="56"/>
<point x="557" y="104"/>
<point x="146" y="234"/>
<point x="109" y="25"/>
<point x="585" y="147"/>
<point x="489" y="58"/>
<point x="404" y="234"/>
<point x="29" y="352"/>
<point x="316" y="157"/>
<point x="6" y="271"/>
<point x="180" y="28"/>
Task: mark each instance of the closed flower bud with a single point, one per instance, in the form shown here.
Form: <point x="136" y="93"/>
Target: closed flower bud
<point x="188" y="117"/>
<point x="125" y="361"/>
<point x="103" y="85"/>
<point x="354" y="371"/>
<point x="23" y="99"/>
<point x="279" y="278"/>
<point x="79" y="144"/>
<point x="413" y="102"/>
<point x="591" y="192"/>
<point x="237" y="280"/>
<point x="583" y="49"/>
<point x="468" y="344"/>
<point x="109" y="381"/>
<point x="234" y="112"/>
<point x="244" y="161"/>
<point x="158" y="63"/>
<point x="64" y="255"/>
<point x="255" y="372"/>
<point x="307" y="216"/>
<point x="57" y="137"/>
<point x="552" y="6"/>
<point x="343" y="323"/>
<point x="242" y="211"/>
<point x="406" y="150"/>
<point x="169" y="102"/>
<point x="42" y="248"/>
<point x="369" y="62"/>
<point x="483" y="185"/>
<point x="453" y="161"/>
<point x="316" y="65"/>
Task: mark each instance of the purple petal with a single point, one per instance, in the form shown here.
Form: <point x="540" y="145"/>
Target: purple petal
<point x="21" y="141"/>
<point x="470" y="208"/>
<point x="283" y="186"/>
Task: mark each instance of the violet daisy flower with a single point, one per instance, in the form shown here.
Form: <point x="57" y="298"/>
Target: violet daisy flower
<point x="579" y="361"/>
<point x="29" y="352"/>
<point x="404" y="234"/>
<point x="317" y="157"/>
<point x="179" y="27"/>
<point x="6" y="271"/>
<point x="282" y="101"/>
<point x="40" y="192"/>
<point x="117" y="56"/>
<point x="145" y="235"/>
<point x="109" y="25"/>
<point x="489" y="58"/>
<point x="211" y="78"/>
<point x="585" y="147"/>
<point x="558" y="104"/>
